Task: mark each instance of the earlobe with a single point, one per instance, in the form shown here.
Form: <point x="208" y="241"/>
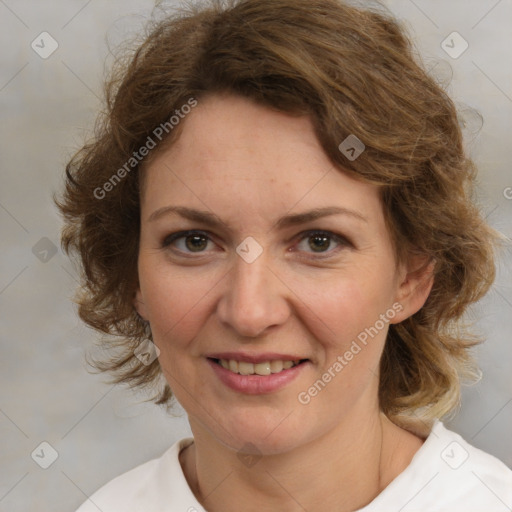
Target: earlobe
<point x="414" y="287"/>
<point x="139" y="305"/>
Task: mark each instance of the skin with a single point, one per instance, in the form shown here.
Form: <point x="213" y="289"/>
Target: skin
<point x="249" y="166"/>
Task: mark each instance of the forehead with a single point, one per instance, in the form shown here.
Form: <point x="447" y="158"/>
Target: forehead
<point x="233" y="154"/>
<point x="228" y="127"/>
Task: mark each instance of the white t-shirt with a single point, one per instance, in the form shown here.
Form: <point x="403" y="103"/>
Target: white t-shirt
<point x="445" y="475"/>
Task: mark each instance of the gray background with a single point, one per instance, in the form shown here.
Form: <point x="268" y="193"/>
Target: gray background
<point x="46" y="108"/>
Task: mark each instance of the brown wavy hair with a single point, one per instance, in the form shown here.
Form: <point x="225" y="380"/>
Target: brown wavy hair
<point x="352" y="71"/>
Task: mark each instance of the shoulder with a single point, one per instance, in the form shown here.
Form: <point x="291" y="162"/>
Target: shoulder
<point x="158" y="484"/>
<point x="448" y="474"/>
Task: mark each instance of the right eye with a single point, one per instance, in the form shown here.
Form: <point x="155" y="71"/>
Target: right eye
<point x="187" y="242"/>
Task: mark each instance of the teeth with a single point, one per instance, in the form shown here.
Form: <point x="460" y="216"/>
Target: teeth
<point x="245" y="368"/>
<point x="276" y="366"/>
<point x="262" y="368"/>
<point x="265" y="368"/>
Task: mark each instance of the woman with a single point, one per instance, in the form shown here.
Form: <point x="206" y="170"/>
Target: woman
<point x="275" y="220"/>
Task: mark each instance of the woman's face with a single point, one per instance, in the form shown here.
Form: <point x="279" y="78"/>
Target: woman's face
<point x="269" y="255"/>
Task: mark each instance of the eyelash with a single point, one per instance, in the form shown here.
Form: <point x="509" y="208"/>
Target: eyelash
<point x="339" y="239"/>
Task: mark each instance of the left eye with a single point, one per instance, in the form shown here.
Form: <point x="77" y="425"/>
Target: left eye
<point x="320" y="241"/>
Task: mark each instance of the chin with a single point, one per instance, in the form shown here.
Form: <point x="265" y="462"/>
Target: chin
<point x="257" y="434"/>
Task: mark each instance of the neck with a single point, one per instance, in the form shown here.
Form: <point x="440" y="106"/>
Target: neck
<point x="348" y="467"/>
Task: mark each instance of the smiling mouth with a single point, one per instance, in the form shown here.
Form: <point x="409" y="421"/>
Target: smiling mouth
<point x="264" y="368"/>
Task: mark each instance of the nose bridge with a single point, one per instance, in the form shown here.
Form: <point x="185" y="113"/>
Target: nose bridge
<point x="253" y="299"/>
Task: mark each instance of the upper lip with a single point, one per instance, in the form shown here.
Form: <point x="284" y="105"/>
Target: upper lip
<point x="254" y="358"/>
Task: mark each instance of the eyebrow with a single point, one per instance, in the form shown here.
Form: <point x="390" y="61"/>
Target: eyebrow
<point x="203" y="216"/>
<point x="212" y="220"/>
<point x="317" y="213"/>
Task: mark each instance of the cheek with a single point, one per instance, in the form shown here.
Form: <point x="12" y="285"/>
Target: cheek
<point x="344" y="316"/>
<point x="176" y="305"/>
<point x="346" y="305"/>
<point x="342" y="308"/>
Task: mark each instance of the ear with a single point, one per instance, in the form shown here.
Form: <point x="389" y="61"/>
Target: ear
<point x="415" y="280"/>
<point x="139" y="305"/>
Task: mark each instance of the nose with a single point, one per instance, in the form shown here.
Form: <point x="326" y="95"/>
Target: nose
<point x="254" y="299"/>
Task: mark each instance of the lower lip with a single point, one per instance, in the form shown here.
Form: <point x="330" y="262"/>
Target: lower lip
<point x="256" y="384"/>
